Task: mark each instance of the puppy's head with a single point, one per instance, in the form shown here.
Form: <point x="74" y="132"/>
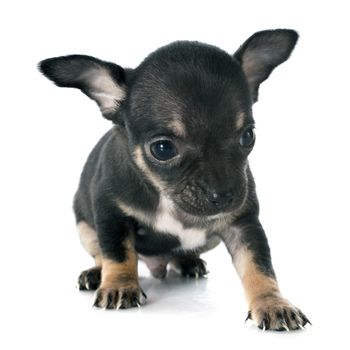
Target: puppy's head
<point x="187" y="110"/>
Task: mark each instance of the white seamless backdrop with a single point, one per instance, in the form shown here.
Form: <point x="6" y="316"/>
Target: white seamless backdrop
<point x="300" y="163"/>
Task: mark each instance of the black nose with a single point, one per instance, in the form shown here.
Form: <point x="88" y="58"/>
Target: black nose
<point x="220" y="200"/>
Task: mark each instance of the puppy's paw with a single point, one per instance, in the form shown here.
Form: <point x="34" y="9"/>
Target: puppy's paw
<point x="90" y="279"/>
<point x="276" y="313"/>
<point x="119" y="298"/>
<point x="193" y="267"/>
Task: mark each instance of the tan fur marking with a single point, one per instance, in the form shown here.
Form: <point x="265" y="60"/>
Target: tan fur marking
<point x="255" y="283"/>
<point x="267" y="307"/>
<point x="138" y="157"/>
<point x="88" y="239"/>
<point x="98" y="260"/>
<point x="117" y="275"/>
<point x="130" y="211"/>
<point x="240" y="120"/>
<point x="178" y="127"/>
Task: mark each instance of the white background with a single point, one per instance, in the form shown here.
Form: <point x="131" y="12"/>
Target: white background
<point x="300" y="163"/>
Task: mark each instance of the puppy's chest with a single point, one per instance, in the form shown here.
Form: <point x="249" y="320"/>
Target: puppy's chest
<point x="165" y="222"/>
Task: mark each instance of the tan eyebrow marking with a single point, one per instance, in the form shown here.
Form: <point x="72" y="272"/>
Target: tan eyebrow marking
<point x="177" y="126"/>
<point x="240" y="117"/>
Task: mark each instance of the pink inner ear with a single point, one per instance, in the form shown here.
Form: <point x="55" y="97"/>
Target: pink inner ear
<point x="263" y="52"/>
<point x="104" y="89"/>
<point x="254" y="63"/>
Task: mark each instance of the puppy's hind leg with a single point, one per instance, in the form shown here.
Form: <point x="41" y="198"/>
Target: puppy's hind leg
<point x="189" y="266"/>
<point x="90" y="279"/>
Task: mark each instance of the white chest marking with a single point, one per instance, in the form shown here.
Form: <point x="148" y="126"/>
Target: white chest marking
<point x="166" y="222"/>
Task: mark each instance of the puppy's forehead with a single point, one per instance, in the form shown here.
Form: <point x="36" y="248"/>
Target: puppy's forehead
<point x="188" y="85"/>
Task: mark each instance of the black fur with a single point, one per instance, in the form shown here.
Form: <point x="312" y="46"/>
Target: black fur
<point x="210" y="93"/>
<point x="90" y="279"/>
<point x="70" y="71"/>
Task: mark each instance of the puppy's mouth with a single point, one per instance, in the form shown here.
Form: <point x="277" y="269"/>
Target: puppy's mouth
<point x="203" y="208"/>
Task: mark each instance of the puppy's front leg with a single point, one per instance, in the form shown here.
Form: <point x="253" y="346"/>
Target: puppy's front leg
<point x="119" y="281"/>
<point x="250" y="252"/>
<point x="119" y="285"/>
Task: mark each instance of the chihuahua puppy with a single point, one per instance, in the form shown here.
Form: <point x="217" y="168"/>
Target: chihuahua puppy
<point x="171" y="179"/>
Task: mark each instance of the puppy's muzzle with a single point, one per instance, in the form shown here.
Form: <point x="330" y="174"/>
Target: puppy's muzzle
<point x="200" y="200"/>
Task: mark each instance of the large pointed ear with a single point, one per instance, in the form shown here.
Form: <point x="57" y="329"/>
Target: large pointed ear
<point x="263" y="52"/>
<point x="102" y="81"/>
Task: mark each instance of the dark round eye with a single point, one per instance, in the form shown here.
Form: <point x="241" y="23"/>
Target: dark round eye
<point x="247" y="138"/>
<point x="163" y="150"/>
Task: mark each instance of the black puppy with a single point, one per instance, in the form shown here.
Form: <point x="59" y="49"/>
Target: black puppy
<point x="171" y="178"/>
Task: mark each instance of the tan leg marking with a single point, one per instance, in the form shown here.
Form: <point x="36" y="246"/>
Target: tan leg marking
<point x="89" y="240"/>
<point x="116" y="275"/>
<point x="255" y="283"/>
<point x="119" y="285"/>
<point x="268" y="309"/>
